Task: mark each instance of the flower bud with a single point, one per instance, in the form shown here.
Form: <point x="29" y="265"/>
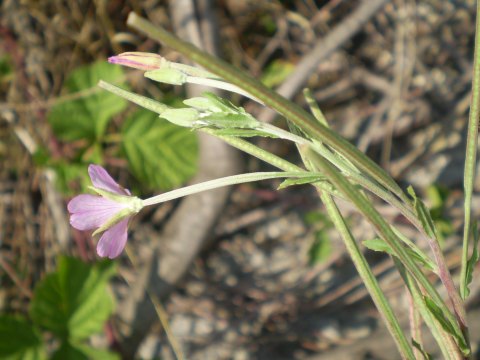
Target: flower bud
<point x="138" y="60"/>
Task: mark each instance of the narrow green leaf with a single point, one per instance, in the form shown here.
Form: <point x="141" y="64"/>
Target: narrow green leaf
<point x="446" y="324"/>
<point x="423" y="214"/>
<point x="19" y="339"/>
<point x="219" y="104"/>
<point x="419" y="347"/>
<point x="380" y="245"/>
<point x="73" y="302"/>
<point x="87" y="116"/>
<point x="224" y="120"/>
<point x="160" y="154"/>
<point x="242" y="133"/>
<point x="471" y="156"/>
<point x="290" y="182"/>
<point x="473" y="260"/>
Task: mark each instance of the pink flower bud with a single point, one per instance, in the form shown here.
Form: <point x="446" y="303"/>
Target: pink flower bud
<point x="138" y="60"/>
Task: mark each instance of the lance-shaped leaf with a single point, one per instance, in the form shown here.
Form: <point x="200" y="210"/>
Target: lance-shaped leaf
<point x="238" y="132"/>
<point x="473" y="259"/>
<point x="380" y="245"/>
<point x="423" y="214"/>
<point x="290" y="182"/>
<point x="419" y="347"/>
<point x="439" y="315"/>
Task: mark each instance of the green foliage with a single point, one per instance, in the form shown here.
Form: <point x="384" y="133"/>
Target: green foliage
<point x="160" y="154"/>
<point x="268" y="22"/>
<point x="414" y="252"/>
<point x="73" y="302"/>
<point x="473" y="260"/>
<point x="419" y="347"/>
<point x="447" y="325"/>
<point x="19" y="339"/>
<point x="437" y="196"/>
<point x="276" y="73"/>
<point x="6" y="69"/>
<point x="69" y="173"/>
<point x="423" y="214"/>
<point x="321" y="247"/>
<point x="221" y="113"/>
<point x="242" y="133"/>
<point x="290" y="182"/>
<point x="87" y="117"/>
<point x="82" y="352"/>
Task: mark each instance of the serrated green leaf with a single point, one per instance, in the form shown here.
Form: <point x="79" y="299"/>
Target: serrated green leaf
<point x="378" y="244"/>
<point x="73" y="351"/>
<point x="290" y="182"/>
<point x="243" y="133"/>
<point x="446" y="325"/>
<point x="160" y="154"/>
<point x="473" y="259"/>
<point x="87" y="117"/>
<point x="73" y="302"/>
<point x="19" y="339"/>
<point x="419" y="347"/>
<point x="423" y="214"/>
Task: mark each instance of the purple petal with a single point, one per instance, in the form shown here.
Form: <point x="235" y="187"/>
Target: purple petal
<point x="113" y="240"/>
<point x="102" y="180"/>
<point x="90" y="212"/>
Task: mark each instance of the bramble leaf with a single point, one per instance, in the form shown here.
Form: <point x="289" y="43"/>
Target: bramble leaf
<point x="20" y="339"/>
<point x="87" y="116"/>
<point x="73" y="301"/>
<point x="160" y="155"/>
<point x="73" y="351"/>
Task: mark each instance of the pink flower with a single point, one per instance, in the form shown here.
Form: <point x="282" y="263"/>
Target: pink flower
<point x="108" y="213"/>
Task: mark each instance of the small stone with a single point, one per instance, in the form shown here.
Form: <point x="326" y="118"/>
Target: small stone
<point x="358" y="331"/>
<point x="203" y="327"/>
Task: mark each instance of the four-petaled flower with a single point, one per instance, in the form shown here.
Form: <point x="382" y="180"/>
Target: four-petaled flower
<point x="109" y="212"/>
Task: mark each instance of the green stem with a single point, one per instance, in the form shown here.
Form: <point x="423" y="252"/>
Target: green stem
<point x="471" y="156"/>
<point x="221" y="182"/>
<point x="385" y="232"/>
<point x="271" y="99"/>
<point x="368" y="278"/>
<point x="444" y="340"/>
